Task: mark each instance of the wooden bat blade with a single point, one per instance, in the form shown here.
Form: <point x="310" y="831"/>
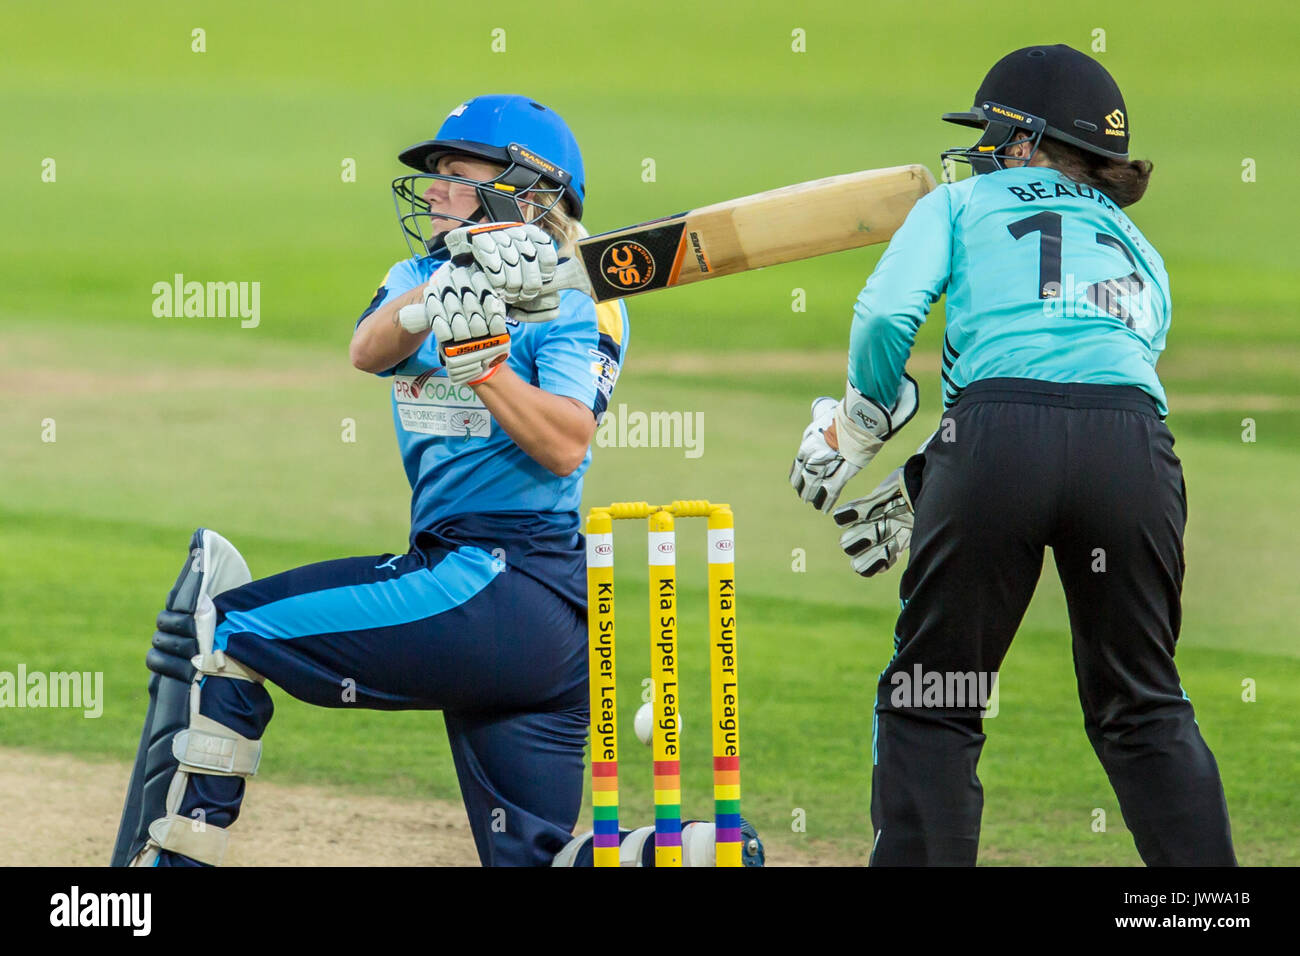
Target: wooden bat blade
<point x="781" y="225"/>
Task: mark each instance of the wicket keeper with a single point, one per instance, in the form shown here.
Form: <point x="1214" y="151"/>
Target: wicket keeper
<point x="1053" y="436"/>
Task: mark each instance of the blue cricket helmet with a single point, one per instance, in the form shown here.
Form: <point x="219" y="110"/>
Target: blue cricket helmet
<point x="541" y="160"/>
<point x="511" y="130"/>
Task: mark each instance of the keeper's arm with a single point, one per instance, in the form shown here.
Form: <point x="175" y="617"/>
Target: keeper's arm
<point x="906" y="283"/>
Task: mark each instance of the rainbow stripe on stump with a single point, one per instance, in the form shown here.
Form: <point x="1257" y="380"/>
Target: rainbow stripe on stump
<point x="603" y="692"/>
<point x="665" y="732"/>
<point x="724" y="685"/>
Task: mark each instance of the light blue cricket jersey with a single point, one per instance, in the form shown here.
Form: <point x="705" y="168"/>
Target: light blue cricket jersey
<point x="1045" y="278"/>
<point x="457" y="458"/>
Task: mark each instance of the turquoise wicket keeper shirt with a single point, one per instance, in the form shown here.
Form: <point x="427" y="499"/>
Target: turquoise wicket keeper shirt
<point x="1046" y="279"/>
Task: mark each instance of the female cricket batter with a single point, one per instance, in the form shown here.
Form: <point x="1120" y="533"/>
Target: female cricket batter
<point x="484" y="617"/>
<point x="1053" y="435"/>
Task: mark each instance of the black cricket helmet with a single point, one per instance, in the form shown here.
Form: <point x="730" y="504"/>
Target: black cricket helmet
<point x="1053" y="91"/>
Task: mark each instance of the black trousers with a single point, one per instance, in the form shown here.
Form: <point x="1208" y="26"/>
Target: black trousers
<point x="1089" y="471"/>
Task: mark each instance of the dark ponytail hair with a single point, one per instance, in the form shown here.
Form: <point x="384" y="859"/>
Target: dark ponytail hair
<point x="1122" y="181"/>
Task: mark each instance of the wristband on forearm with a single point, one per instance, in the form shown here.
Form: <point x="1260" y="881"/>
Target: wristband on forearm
<point x="863" y="425"/>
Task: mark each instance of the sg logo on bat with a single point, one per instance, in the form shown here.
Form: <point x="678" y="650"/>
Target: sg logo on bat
<point x="627" y="265"/>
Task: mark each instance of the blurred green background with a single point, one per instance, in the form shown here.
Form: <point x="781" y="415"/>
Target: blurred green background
<point x="225" y="165"/>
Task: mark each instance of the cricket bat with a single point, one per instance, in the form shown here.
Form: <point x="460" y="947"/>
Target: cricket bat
<point x="765" y="229"/>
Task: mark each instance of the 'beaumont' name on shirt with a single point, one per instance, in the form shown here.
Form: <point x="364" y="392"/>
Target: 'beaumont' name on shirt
<point x="1036" y="190"/>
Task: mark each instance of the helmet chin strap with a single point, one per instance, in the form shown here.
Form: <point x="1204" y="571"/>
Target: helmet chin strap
<point x="997" y="136"/>
<point x="989" y="154"/>
<point x="497" y="207"/>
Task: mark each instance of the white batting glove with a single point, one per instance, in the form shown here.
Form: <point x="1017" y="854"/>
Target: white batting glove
<point x="518" y="259"/>
<point x="543" y="308"/>
<point x="878" y="527"/>
<point x="418" y="319"/>
<point x="468" y="321"/>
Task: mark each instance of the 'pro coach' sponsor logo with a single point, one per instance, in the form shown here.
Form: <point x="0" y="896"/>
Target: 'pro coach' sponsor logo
<point x="429" y="404"/>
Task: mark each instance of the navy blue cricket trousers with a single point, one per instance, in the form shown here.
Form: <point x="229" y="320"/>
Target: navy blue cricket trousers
<point x="484" y="629"/>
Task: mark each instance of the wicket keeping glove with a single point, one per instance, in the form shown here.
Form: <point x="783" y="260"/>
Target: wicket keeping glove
<point x="862" y="426"/>
<point x="518" y="259"/>
<point x="878" y="528"/>
<point x="468" y="321"/>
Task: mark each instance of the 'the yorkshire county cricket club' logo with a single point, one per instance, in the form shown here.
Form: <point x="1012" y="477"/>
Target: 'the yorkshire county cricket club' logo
<point x="471" y="422"/>
<point x="627" y="265"/>
<point x="1115" y="120"/>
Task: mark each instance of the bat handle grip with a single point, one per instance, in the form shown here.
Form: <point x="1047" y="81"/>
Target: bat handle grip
<point x="570" y="274"/>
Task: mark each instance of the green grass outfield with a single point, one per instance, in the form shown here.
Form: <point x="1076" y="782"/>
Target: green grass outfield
<point x="225" y="166"/>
